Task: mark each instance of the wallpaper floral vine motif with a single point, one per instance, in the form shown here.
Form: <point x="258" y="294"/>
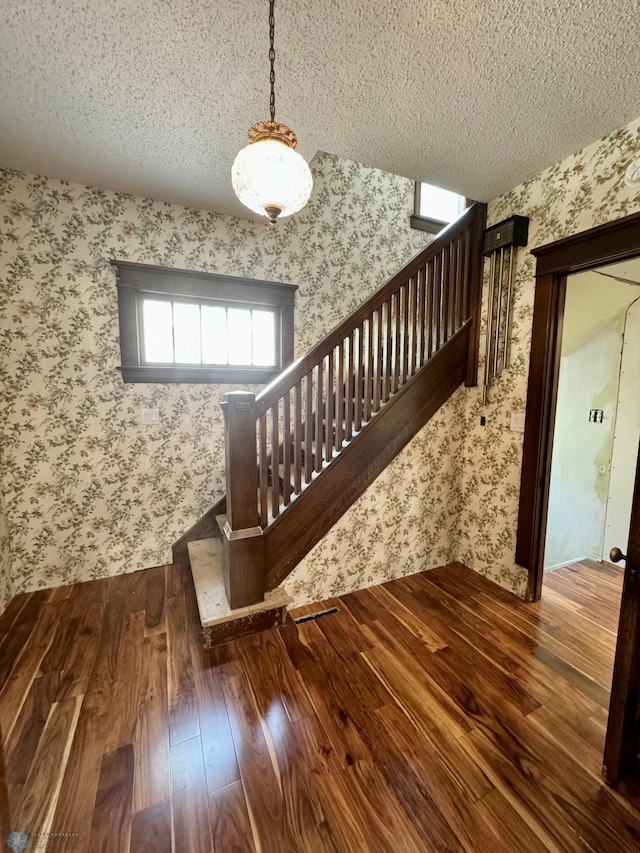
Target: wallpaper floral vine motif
<point x="582" y="191"/>
<point x="89" y="490"/>
<point x="405" y="522"/>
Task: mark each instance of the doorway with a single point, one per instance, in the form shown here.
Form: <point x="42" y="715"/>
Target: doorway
<point x="597" y="421"/>
<point x="614" y="242"/>
<point x="617" y="241"/>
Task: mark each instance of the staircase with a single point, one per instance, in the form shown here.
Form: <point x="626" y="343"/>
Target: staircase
<point x="302" y="451"/>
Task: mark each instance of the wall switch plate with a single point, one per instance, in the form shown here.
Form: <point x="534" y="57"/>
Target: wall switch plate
<point x="149" y="416"/>
<point x="517" y="422"/>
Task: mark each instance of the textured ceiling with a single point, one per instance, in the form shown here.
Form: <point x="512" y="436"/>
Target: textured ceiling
<point x="155" y="96"/>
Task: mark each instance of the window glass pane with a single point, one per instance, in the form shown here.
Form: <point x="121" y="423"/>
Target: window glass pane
<point x="264" y="344"/>
<point x="441" y="205"/>
<point x="158" y="333"/>
<point x="239" y="335"/>
<point x="186" y="333"/>
<point x="214" y="334"/>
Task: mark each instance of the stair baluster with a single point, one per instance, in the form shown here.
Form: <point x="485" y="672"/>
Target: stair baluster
<point x="421" y="327"/>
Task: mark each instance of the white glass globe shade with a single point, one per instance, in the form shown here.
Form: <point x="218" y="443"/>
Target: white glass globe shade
<point x="269" y="173"/>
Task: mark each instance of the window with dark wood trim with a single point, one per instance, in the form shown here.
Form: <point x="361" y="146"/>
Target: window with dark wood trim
<point x="436" y="208"/>
<point x="188" y="326"/>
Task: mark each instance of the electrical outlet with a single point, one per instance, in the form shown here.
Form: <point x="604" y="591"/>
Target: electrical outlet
<point x="149" y="416"/>
<point x="517" y="422"/>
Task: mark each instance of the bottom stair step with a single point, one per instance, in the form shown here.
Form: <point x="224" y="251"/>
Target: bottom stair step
<point x="219" y="622"/>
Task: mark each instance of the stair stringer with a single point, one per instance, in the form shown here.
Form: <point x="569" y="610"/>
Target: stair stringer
<point x="313" y="513"/>
<point x="206" y="527"/>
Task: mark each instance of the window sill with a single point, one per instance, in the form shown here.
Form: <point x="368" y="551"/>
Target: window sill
<point x="212" y="375"/>
<point x="431" y="226"/>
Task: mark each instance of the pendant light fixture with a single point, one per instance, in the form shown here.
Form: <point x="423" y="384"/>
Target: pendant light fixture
<point x="268" y="175"/>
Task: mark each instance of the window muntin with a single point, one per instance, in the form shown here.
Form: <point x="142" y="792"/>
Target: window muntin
<point x="190" y="333"/>
<point x="188" y="326"/>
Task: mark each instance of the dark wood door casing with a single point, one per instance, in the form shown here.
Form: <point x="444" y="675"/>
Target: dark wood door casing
<point x="615" y="241"/>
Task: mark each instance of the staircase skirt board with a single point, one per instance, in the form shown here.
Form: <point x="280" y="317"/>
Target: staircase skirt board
<point x="315" y="511"/>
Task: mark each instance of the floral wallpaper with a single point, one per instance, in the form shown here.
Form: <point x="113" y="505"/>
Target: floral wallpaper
<point x="584" y="190"/>
<point x="405" y="522"/>
<point x="89" y="491"/>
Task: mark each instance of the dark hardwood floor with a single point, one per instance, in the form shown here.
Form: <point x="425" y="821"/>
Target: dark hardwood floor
<point x="434" y="713"/>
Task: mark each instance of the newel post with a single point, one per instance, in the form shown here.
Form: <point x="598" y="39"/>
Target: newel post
<point x="242" y="534"/>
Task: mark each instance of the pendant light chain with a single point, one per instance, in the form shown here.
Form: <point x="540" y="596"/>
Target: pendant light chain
<point x="272" y="59"/>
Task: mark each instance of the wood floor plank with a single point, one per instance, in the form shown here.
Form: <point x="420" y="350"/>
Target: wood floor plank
<point x="189" y="802"/>
<point x="151" y="739"/>
<point x="338" y="653"/>
<point x="9" y="617"/>
<point x="111" y="827"/>
<point x="299" y="653"/>
<point x="136" y="595"/>
<point x="457" y="809"/>
<point x="151" y="829"/>
<point x="106" y="664"/>
<point x="616" y="822"/>
<point x="88" y="607"/>
<point x="301" y="803"/>
<point x="408" y="618"/>
<point x="387" y="825"/>
<point x="129" y="683"/>
<point x="18" y="632"/>
<point x="230" y="824"/>
<point x="434" y="713"/>
<point x="26" y="668"/>
<point x="221" y="764"/>
<point x="21" y="747"/>
<point x="547" y="824"/>
<point x="184" y="722"/>
<point x="514" y="833"/>
<point x="320" y="839"/>
<point x="37" y="805"/>
<point x="273" y="674"/>
<point x="155" y="597"/>
<point x="429" y="710"/>
<point x="259" y="778"/>
<point x="567" y="739"/>
<point x="406" y="787"/>
<point x="173" y="580"/>
<point x="346" y="809"/>
<point x="63" y="639"/>
<point x="77" y="800"/>
<point x="334" y="717"/>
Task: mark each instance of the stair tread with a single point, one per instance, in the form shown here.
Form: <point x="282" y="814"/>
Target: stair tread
<point x="206" y="557"/>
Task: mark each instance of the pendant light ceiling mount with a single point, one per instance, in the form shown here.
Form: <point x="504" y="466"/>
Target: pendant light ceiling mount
<point x="268" y="175"/>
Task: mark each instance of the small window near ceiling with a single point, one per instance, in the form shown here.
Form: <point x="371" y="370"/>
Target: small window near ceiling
<point x="435" y="208"/>
<point x="182" y="326"/>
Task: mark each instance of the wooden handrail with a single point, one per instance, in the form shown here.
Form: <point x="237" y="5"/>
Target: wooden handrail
<point x="278" y="443"/>
<point x="300" y="368"/>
